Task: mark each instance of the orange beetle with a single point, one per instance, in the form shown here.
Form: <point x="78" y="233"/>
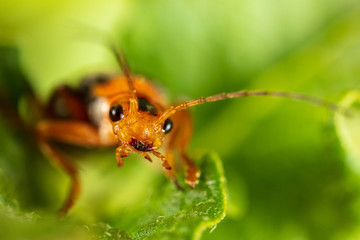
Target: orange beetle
<point x="129" y="112"/>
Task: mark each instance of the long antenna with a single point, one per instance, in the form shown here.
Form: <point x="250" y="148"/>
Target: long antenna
<point x="124" y="66"/>
<point x="93" y="34"/>
<point x="134" y="105"/>
<point x="245" y="93"/>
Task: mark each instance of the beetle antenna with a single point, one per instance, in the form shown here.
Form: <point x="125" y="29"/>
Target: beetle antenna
<point x="126" y="70"/>
<point x="124" y="66"/>
<point x="93" y="34"/>
<point x="246" y="93"/>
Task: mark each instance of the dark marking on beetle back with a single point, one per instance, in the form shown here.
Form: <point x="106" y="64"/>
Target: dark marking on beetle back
<point x="146" y="106"/>
<point x="89" y="82"/>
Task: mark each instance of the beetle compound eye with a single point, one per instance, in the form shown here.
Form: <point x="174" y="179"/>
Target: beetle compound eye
<point x="116" y="113"/>
<point x="168" y="125"/>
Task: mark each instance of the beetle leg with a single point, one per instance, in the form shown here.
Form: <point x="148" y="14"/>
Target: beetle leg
<point x="73" y="132"/>
<point x="70" y="170"/>
<point x="179" y="140"/>
<point x="120" y="153"/>
<point x="168" y="165"/>
<point x="78" y="133"/>
<point x="171" y="173"/>
<point x="165" y="164"/>
<point x="192" y="172"/>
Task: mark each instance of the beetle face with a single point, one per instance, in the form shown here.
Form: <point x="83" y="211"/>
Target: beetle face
<point x="138" y="129"/>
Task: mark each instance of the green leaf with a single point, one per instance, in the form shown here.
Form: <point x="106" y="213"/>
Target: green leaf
<point x="171" y="213"/>
<point x="348" y="128"/>
<point x="174" y="214"/>
<point x="185" y="215"/>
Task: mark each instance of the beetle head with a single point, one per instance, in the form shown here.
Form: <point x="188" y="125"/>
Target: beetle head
<point x="135" y="123"/>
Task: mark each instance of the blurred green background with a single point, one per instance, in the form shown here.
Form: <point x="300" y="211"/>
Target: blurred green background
<point x="288" y="176"/>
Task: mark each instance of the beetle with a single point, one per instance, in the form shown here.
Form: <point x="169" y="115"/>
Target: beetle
<point x="128" y="112"/>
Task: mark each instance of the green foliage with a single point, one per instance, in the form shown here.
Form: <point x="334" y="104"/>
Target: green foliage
<point x="349" y="129"/>
<point x="171" y="214"/>
<point x="291" y="169"/>
<point x="175" y="214"/>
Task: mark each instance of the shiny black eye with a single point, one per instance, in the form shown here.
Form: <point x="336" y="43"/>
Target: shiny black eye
<point x="116" y="113"/>
<point x="168" y="125"/>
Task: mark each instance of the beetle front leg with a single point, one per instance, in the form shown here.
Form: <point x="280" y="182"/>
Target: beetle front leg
<point x="165" y="164"/>
<point x="168" y="165"/>
<point x="179" y="140"/>
<point x="192" y="172"/>
<point x="120" y="153"/>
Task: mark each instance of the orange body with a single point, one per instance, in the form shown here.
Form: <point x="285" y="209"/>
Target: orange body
<point x="116" y="91"/>
<point x="109" y="112"/>
<point x="130" y="113"/>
